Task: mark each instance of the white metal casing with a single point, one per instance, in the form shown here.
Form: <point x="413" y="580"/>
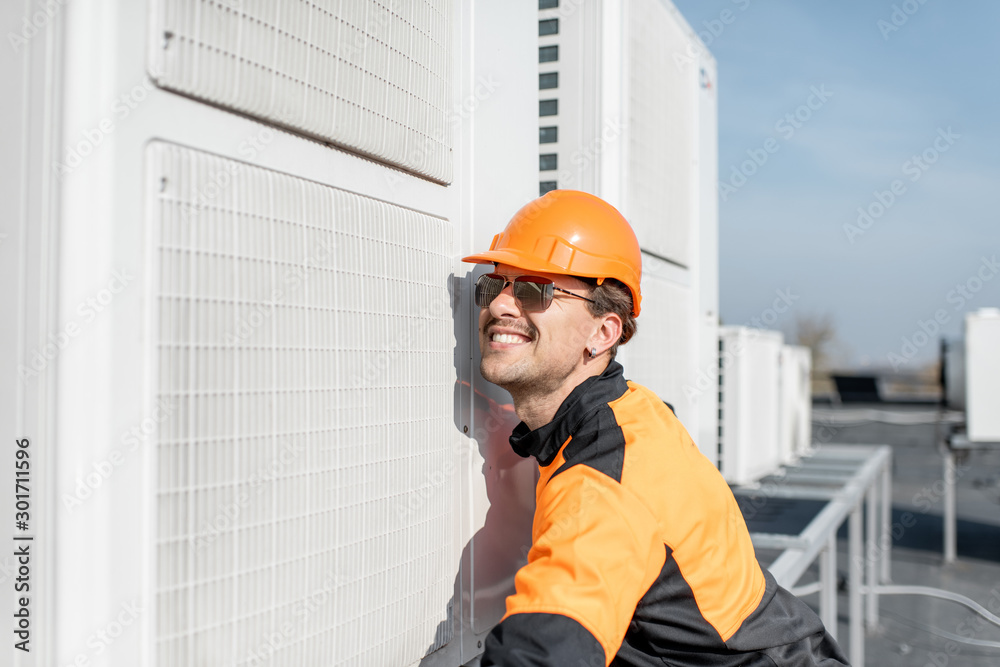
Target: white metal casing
<point x="661" y="180"/>
<point x="707" y="269"/>
<point x="982" y="373"/>
<point x="32" y="337"/>
<point x="637" y="126"/>
<point x="796" y="402"/>
<point x="750" y="403"/>
<point x="171" y="222"/>
<point x="664" y="368"/>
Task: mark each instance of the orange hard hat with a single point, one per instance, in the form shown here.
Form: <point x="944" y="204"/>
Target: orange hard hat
<point x="570" y="233"/>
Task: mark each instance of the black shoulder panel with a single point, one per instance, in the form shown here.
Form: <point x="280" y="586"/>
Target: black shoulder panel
<point x="669" y="626"/>
<point x="668" y="629"/>
<point x="597" y="442"/>
<point x="532" y="640"/>
<point x="787" y="630"/>
<point x="668" y="614"/>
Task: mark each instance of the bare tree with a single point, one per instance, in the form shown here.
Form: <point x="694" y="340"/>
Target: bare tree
<point x="818" y="333"/>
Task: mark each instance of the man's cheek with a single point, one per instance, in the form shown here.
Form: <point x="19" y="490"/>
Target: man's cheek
<point x="483" y="317"/>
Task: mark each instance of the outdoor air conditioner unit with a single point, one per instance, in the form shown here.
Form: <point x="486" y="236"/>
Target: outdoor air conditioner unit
<point x="796" y="402"/>
<point x="749" y="403"/>
<point x="953" y="361"/>
<point x="241" y="330"/>
<point x="660" y="169"/>
<point x="982" y="373"/>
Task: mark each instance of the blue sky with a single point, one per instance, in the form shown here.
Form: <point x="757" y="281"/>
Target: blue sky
<point x="890" y="95"/>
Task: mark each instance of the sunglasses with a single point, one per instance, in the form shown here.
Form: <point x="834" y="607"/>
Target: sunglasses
<point x="532" y="293"/>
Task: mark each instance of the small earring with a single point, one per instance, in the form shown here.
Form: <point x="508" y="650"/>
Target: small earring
<point x="593" y="352"/>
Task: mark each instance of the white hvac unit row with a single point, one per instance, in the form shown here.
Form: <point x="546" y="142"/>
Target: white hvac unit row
<point x="749" y="403"/>
<point x="765" y="403"/>
<point x="637" y="125"/>
<point x="982" y="374"/>
<point x="796" y="402"/>
<point x="241" y="323"/>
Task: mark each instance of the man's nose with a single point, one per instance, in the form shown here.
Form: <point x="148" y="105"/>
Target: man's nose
<point x="505" y="305"/>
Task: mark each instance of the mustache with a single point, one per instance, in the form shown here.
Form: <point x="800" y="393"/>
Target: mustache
<point x="519" y="327"/>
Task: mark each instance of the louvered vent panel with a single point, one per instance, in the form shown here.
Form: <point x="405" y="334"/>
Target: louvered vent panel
<point x="370" y="76"/>
<point x="662" y="132"/>
<point x="304" y="340"/>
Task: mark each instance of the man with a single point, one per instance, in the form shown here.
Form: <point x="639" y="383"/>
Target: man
<point x="639" y="554"/>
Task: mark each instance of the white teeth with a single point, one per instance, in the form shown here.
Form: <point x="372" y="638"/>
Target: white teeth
<point x="507" y="338"/>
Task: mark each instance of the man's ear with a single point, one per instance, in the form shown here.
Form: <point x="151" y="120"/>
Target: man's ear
<point x="607" y="334"/>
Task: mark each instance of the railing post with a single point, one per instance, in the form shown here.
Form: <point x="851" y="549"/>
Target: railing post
<point x="949" y="505"/>
<point x="871" y="563"/>
<point x="855" y="608"/>
<point x="828" y="579"/>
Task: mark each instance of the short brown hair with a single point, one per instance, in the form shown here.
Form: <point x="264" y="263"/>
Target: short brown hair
<point x="613" y="296"/>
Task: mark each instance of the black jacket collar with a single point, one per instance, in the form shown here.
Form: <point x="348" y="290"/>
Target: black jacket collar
<point x="544" y="442"/>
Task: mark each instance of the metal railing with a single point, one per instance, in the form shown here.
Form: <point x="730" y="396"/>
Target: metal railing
<point x="849" y="478"/>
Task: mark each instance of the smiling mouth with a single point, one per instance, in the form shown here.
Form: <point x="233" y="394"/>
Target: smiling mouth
<point x="509" y="338"/>
<point x="501" y="334"/>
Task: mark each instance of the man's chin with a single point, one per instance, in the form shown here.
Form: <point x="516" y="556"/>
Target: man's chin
<point x="491" y="373"/>
<point x="499" y="373"/>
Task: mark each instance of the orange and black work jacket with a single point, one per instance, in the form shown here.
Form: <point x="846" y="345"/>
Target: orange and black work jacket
<point x="639" y="554"/>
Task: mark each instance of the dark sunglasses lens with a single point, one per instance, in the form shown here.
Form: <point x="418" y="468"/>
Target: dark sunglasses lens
<point x="488" y="287"/>
<point x="533" y="293"/>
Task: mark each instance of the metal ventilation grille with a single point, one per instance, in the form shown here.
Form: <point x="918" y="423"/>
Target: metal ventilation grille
<point x="370" y="75"/>
<point x="662" y="132"/>
<point x="304" y="340"/>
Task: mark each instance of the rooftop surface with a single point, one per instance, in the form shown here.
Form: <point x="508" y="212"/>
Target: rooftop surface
<point x="918" y="630"/>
